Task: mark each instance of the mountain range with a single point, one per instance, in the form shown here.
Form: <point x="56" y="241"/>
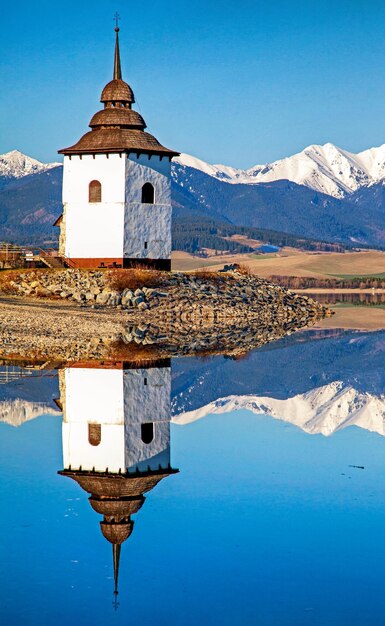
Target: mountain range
<point x="17" y="412"/>
<point x="25" y="398"/>
<point x="327" y="169"/>
<point x="324" y="193"/>
<point x="319" y="381"/>
<point x="323" y="410"/>
<point x="15" y="164"/>
<point x="292" y="366"/>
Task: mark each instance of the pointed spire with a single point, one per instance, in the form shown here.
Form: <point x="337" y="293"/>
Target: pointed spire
<point x="116" y="547"/>
<point x="117" y="66"/>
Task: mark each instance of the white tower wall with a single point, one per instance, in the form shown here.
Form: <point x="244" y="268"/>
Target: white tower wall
<point x="79" y="171"/>
<point x="119" y="401"/>
<point x="147" y="398"/>
<point x="93" y="229"/>
<point x="151" y="223"/>
<point x="151" y="455"/>
<point x="119" y="226"/>
<point x="147" y="395"/>
<point x="93" y="396"/>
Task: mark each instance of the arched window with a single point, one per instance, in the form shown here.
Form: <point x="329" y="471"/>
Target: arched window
<point x="94" y="191"/>
<point x="94" y="434"/>
<point x="148" y="193"/>
<point x="147" y="432"/>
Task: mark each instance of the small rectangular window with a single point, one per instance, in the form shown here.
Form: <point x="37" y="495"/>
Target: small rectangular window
<point x="145" y="245"/>
<point x="145" y="381"/>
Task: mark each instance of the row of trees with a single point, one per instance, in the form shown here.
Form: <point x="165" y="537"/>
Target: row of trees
<point x="191" y="235"/>
<point x="285" y="239"/>
<point x="194" y="236"/>
<point x="309" y="282"/>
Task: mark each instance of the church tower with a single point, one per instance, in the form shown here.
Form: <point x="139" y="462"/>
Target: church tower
<point x="117" y="188"/>
<point x="116" y="438"/>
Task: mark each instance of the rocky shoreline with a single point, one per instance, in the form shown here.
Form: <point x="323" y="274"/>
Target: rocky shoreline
<point x="74" y="315"/>
<point x="203" y="293"/>
<point x="60" y="334"/>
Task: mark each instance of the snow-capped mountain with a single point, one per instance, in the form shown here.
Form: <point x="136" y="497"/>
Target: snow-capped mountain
<point x="17" y="412"/>
<point x="222" y="172"/>
<point x="15" y="164"/>
<point x="323" y="410"/>
<point x="323" y="193"/>
<point x="327" y="169"/>
<point x="28" y="397"/>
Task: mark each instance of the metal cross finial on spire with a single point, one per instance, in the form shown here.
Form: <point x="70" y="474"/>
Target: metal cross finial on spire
<point x="117" y="18"/>
<point x="115" y="602"/>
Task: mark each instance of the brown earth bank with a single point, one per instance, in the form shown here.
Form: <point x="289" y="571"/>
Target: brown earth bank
<point x="74" y="315"/>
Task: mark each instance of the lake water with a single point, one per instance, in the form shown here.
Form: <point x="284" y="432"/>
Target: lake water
<point x="358" y="299"/>
<point x="277" y="513"/>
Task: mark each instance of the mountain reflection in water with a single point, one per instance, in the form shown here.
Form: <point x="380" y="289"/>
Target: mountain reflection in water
<point x="116" y="449"/>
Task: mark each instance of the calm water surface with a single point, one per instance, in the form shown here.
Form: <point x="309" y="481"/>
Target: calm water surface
<point x="358" y="299"/>
<point x="276" y="516"/>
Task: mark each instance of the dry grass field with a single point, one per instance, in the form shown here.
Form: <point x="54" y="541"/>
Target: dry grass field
<point x="185" y="262"/>
<point x="290" y="262"/>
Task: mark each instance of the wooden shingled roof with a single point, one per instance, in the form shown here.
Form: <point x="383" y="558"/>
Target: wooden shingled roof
<point x="110" y="485"/>
<point x="117" y="140"/>
<point x="117" y="127"/>
<point x="117" y="497"/>
<point x="117" y="91"/>
<point x="119" y="118"/>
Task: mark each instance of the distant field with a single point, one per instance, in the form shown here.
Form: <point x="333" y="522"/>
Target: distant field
<point x="184" y="262"/>
<point x="355" y="276"/>
<point x="290" y="262"/>
<point x="349" y="305"/>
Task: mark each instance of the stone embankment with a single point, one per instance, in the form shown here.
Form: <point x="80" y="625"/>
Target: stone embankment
<point x="179" y="339"/>
<point x="57" y="334"/>
<point x="210" y="296"/>
<point x="72" y="315"/>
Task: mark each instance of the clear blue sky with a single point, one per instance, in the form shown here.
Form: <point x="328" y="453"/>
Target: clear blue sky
<point x="230" y="82"/>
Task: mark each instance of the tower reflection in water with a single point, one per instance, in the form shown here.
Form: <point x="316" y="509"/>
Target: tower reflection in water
<point x="116" y="438"/>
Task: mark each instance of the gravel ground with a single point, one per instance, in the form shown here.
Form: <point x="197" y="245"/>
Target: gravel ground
<point x="199" y="318"/>
<point x="57" y="329"/>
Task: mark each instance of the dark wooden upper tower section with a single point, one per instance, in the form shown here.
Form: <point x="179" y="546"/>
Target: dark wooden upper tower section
<point x="117" y="127"/>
